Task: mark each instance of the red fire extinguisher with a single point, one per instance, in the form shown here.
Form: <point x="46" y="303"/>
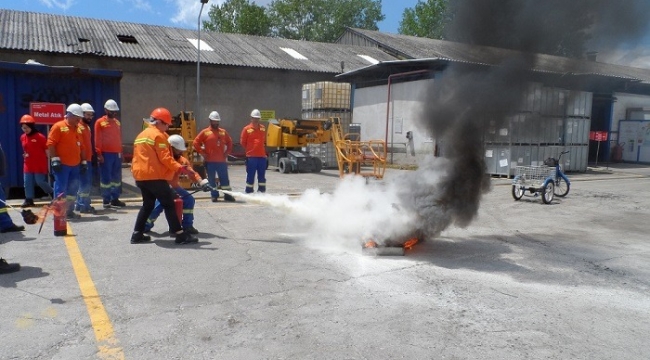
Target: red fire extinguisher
<point x="59" y="207"/>
<point x="178" y="204"/>
<point x="617" y="152"/>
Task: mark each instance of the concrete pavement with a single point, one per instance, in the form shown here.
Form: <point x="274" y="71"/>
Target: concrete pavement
<point x="569" y="280"/>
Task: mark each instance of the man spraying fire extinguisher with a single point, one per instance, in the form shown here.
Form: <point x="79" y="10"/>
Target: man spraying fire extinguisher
<point x="153" y="166"/>
<point x="178" y="147"/>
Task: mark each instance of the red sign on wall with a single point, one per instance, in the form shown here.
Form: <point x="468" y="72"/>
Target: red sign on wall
<point x="46" y="113"/>
<point x="598" y="135"/>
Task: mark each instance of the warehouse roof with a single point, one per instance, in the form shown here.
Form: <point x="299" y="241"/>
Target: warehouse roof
<point x="29" y="31"/>
<point x="412" y="47"/>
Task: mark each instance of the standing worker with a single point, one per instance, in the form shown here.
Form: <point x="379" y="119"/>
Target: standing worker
<point x="67" y="156"/>
<point x="6" y="224"/>
<point x="253" y="139"/>
<point x="214" y="144"/>
<point x="108" y="146"/>
<point x="153" y="166"/>
<point x="34" y="159"/>
<point x="86" y="179"/>
<point x="178" y="147"/>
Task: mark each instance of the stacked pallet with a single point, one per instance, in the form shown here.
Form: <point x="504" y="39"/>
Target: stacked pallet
<point x="323" y="100"/>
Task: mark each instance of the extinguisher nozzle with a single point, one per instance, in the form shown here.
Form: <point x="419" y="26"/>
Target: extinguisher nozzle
<point x="29" y="217"/>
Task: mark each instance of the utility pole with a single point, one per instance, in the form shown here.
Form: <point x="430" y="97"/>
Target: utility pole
<point x="197" y="112"/>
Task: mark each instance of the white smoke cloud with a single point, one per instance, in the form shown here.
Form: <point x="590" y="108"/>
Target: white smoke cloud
<point x="353" y="213"/>
<point x="63" y="5"/>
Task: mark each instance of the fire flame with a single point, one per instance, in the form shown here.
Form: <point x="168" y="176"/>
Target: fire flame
<point x="410" y="242"/>
<point x="370" y="244"/>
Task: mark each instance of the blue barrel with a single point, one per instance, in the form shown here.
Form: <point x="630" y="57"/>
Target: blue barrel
<point x="21" y="84"/>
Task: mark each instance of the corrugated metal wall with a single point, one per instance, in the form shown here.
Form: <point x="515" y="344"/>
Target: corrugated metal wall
<point x="21" y="84"/>
<point x="551" y="120"/>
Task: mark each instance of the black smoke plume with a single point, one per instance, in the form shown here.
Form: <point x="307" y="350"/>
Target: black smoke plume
<point x="467" y="99"/>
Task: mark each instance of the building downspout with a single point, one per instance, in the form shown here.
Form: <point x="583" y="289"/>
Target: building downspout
<point x="390" y="79"/>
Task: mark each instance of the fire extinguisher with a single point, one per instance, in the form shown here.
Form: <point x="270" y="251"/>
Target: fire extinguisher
<point x="617" y="152"/>
<point x="59" y="207"/>
<point x="178" y="204"/>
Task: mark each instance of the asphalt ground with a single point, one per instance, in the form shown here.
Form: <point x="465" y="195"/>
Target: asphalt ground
<point x="570" y="280"/>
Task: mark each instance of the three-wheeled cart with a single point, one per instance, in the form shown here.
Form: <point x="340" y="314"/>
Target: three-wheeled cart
<point x="534" y="181"/>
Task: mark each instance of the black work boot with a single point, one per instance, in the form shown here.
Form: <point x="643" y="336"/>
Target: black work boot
<point x="117" y="203"/>
<point x="139" y="238"/>
<point x="185" y="238"/>
<point x="6" y="268"/>
<point x="13" y="228"/>
<point x="229" y="198"/>
<point x="28" y="203"/>
<point x="191" y="229"/>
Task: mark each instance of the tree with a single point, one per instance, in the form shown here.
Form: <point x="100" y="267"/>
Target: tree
<point x="322" y="20"/>
<point x="238" y="17"/>
<point x="427" y="19"/>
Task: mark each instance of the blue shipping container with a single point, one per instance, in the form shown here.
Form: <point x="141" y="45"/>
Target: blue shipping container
<point x="21" y="84"/>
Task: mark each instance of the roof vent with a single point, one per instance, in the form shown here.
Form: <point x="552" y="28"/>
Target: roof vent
<point x="294" y="53"/>
<point x="127" y="39"/>
<point x="83" y="40"/>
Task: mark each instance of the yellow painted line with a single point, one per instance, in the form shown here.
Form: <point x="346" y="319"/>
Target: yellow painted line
<point x="107" y="343"/>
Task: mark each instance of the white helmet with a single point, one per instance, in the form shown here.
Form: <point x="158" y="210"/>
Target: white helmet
<point x="177" y="142"/>
<point x="214" y="116"/>
<point x="87" y="108"/>
<point x="111" y="105"/>
<point x="75" y="109"/>
<point x="256" y="114"/>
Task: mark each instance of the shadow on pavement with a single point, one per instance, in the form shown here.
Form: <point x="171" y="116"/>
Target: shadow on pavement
<point x="25" y="273"/>
<point x="170" y="244"/>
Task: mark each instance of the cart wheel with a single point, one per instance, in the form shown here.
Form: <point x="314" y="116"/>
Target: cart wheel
<point x="561" y="187"/>
<point x="547" y="192"/>
<point x="318" y="165"/>
<point x="517" y="192"/>
<point x="284" y="166"/>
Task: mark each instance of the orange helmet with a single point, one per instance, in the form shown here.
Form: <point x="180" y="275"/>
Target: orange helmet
<point x="162" y="114"/>
<point x="27" y="119"/>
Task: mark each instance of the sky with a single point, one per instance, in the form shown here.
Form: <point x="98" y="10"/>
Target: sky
<point x="174" y="13"/>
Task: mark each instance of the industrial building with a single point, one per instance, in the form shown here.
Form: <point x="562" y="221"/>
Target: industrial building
<point x="569" y="99"/>
<point x="158" y="67"/>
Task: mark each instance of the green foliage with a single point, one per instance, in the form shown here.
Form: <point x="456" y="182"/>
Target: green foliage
<point x="238" y="17"/>
<point x="427" y="19"/>
<point x="311" y="20"/>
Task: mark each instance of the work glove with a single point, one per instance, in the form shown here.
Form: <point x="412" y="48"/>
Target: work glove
<point x="174" y="193"/>
<point x="56" y="164"/>
<point x="205" y="186"/>
<point x="186" y="170"/>
<point x="83" y="167"/>
<point x="100" y="158"/>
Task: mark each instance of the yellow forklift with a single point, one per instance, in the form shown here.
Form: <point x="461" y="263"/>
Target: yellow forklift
<point x="288" y="137"/>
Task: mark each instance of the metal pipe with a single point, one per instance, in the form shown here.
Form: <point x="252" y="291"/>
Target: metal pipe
<point x="197" y="116"/>
<point x="390" y="79"/>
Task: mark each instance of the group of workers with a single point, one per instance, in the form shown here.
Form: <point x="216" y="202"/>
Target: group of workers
<point x="156" y="166"/>
<point x="70" y="149"/>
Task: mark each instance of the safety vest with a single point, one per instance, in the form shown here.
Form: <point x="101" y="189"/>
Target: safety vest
<point x="213" y="145"/>
<point x="253" y="139"/>
<point x="108" y="135"/>
<point x="152" y="157"/>
<point x="67" y="143"/>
